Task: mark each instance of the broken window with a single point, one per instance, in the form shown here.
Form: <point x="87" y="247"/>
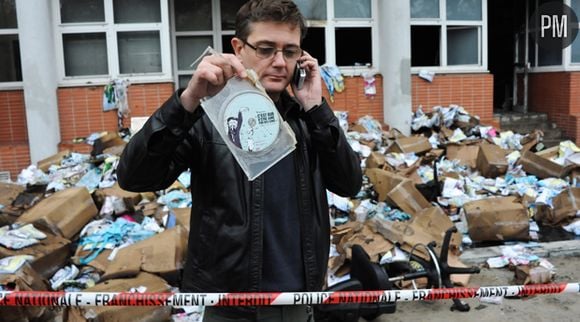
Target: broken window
<point x="9" y="44"/>
<point x="314" y="43"/>
<point x="425" y="42"/>
<point x="353" y="46"/>
<point x="343" y="36"/>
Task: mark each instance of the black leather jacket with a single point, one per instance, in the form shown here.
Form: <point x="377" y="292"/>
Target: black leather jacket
<point x="225" y="241"/>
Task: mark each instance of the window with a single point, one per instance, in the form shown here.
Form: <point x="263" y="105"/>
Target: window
<point x="541" y="56"/>
<point x="9" y="45"/>
<point x="575" y="55"/>
<point x="103" y="39"/>
<point x="448" y="34"/>
<point x="197" y="24"/>
<point x="547" y="59"/>
<point x="341" y="32"/>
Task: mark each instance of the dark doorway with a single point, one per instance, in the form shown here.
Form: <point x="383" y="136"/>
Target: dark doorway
<point x="505" y="19"/>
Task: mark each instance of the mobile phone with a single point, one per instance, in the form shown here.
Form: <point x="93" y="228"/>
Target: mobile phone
<point x="299" y="76"/>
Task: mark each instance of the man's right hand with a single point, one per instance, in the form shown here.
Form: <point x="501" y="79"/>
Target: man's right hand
<point x="210" y="77"/>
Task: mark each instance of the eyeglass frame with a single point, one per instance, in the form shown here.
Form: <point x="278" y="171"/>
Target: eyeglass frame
<point x="276" y="50"/>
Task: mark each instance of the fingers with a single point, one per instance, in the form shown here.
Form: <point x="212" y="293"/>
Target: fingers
<point x="308" y="62"/>
<point x="229" y="64"/>
<point x="215" y="70"/>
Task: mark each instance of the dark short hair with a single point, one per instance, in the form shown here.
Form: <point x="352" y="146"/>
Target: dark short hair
<point x="283" y="11"/>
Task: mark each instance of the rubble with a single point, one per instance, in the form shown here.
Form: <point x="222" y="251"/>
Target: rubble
<point x="66" y="224"/>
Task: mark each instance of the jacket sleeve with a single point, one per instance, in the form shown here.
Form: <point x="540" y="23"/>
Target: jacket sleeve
<point x="161" y="150"/>
<point x="339" y="164"/>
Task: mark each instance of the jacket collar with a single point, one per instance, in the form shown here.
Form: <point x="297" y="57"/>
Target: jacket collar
<point x="287" y="104"/>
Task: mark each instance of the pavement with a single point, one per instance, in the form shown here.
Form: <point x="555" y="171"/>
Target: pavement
<point x="474" y="256"/>
<point x="564" y="255"/>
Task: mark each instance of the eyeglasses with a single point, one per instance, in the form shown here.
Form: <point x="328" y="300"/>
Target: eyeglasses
<point x="266" y="52"/>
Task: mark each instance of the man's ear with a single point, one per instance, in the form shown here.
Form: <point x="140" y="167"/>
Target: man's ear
<point x="237" y="45"/>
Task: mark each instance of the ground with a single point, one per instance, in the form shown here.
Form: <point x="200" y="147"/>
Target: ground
<point x="552" y="307"/>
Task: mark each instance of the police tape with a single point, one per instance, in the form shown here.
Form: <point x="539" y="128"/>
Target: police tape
<point x="33" y="298"/>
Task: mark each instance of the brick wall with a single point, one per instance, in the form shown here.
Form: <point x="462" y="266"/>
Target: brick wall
<point x="472" y="91"/>
<point x="14" y="151"/>
<point x="81" y="110"/>
<point x="556" y="94"/>
<point x="355" y="102"/>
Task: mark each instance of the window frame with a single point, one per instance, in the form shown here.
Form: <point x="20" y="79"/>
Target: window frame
<point x="111" y="29"/>
<point x="216" y="33"/>
<point x="443" y="23"/>
<point x="331" y="24"/>
<point x="11" y="32"/>
<point x="567" y="64"/>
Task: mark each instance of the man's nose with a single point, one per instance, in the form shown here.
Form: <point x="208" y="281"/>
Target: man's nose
<point x="279" y="59"/>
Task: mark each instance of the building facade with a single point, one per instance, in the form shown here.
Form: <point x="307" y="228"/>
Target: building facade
<point x="57" y="56"/>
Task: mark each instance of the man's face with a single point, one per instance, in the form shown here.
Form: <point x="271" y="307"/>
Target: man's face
<point x="233" y="124"/>
<point x="275" y="72"/>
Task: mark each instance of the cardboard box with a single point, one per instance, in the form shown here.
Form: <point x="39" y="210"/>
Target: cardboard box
<point x="428" y="225"/>
<point x="56" y="159"/>
<point x="183" y="217"/>
<point x="101" y="262"/>
<point x="65" y="213"/>
<point x="412" y="144"/>
<point x="152" y="283"/>
<point x="114" y="150"/>
<point x="131" y="199"/>
<point x="436" y="222"/>
<point x="162" y="254"/>
<point x="466" y="154"/>
<point x="374" y="244"/>
<point x="50" y="254"/>
<point x="375" y="160"/>
<point x="111" y="139"/>
<point x="406" y="196"/>
<point x="8" y="193"/>
<point x="566" y="205"/>
<point x="383" y="181"/>
<point x="540" y="165"/>
<point x="357" y="128"/>
<point x="531" y="140"/>
<point x="497" y="219"/>
<point x="25" y="279"/>
<point x="532" y="275"/>
<point x="491" y="161"/>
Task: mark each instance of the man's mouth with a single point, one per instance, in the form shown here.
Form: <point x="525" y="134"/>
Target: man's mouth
<point x="276" y="77"/>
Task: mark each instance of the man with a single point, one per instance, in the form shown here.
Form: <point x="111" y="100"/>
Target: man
<point x="234" y="126"/>
<point x="267" y="235"/>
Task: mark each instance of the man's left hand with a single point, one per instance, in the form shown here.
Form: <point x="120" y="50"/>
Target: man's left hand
<point x="310" y="95"/>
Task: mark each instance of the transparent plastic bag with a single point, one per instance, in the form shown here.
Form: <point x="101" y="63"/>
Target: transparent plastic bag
<point x="250" y="125"/>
